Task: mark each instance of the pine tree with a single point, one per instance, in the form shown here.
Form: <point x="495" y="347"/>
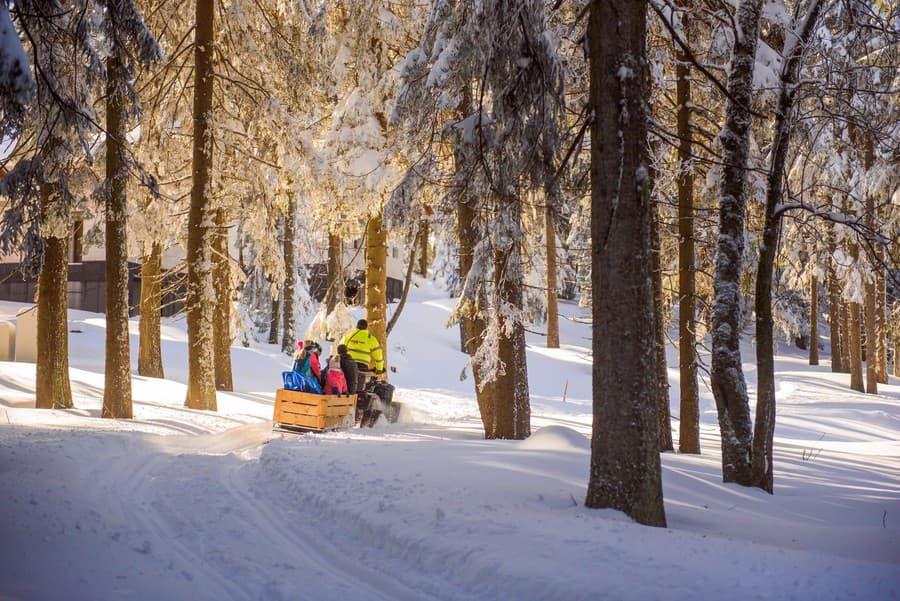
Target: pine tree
<point x="727" y="376"/>
<point x="625" y="471"/>
<point x="201" y="393"/>
<point x="122" y="23"/>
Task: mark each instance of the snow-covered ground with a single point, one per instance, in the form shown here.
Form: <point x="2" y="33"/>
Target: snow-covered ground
<point x="182" y="504"/>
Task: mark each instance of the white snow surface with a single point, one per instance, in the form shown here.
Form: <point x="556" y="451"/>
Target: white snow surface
<point x="184" y="504"/>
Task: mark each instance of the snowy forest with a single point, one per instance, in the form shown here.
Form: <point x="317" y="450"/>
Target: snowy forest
<point x="719" y="179"/>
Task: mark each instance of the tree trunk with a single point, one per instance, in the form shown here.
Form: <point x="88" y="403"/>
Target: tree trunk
<point x="117" y="401"/>
<point x="201" y="392"/>
<point x="659" y="318"/>
<point x="871" y="340"/>
<point x="625" y="466"/>
<point x="552" y="291"/>
<point x="870" y="287"/>
<point x="896" y="340"/>
<point x="423" y="256"/>
<point x="288" y="335"/>
<point x="689" y="405"/>
<point x="150" y="348"/>
<point x="882" y="324"/>
<point x="273" y="320"/>
<point x="52" y="387"/>
<point x="763" y="437"/>
<point x="727" y="377"/>
<point x="223" y="299"/>
<point x="834" y="309"/>
<point x="511" y="405"/>
<point x="468" y="238"/>
<point x="856" y="371"/>
<point x="846" y="342"/>
<point x="813" y="320"/>
<point x="473" y="325"/>
<point x="334" y="294"/>
<point x="376" y="281"/>
<point x="78" y="241"/>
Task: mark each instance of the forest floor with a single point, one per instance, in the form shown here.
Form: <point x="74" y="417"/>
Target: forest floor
<point x="184" y="504"/>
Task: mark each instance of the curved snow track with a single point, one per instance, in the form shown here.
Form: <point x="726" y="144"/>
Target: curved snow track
<point x="281" y="553"/>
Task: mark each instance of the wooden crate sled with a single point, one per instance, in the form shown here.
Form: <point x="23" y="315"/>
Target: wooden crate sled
<point x="309" y="411"/>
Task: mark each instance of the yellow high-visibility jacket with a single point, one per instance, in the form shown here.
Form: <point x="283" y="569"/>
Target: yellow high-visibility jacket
<point x="364" y="349"/>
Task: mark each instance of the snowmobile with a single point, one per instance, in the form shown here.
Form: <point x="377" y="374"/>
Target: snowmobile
<point x="374" y="400"/>
<point x="297" y="411"/>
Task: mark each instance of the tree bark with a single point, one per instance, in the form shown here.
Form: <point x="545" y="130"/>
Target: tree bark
<point x="78" y="241"/>
<point x="223" y="299"/>
<point x="727" y="376"/>
<point x="625" y="466"/>
<point x="845" y="337"/>
<point x="896" y="340"/>
<point x="813" y="320"/>
<point x="52" y="387"/>
<point x="870" y="286"/>
<point x="423" y="256"/>
<point x="871" y="339"/>
<point x="689" y="404"/>
<point x="376" y="281"/>
<point x="288" y="335"/>
<point x="512" y="409"/>
<point x="334" y="294"/>
<point x="856" y="371"/>
<point x="763" y="436"/>
<point x="552" y="291"/>
<point x="834" y="308"/>
<point x="117" y="401"/>
<point x="150" y="347"/>
<point x="201" y="390"/>
<point x="273" y="320"/>
<point x="659" y="344"/>
<point x="882" y="324"/>
<point x="472" y="325"/>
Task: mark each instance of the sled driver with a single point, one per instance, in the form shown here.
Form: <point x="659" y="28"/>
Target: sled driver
<point x="364" y="349"/>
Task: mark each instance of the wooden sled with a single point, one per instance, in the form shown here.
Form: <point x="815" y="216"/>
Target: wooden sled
<point x="310" y="412"/>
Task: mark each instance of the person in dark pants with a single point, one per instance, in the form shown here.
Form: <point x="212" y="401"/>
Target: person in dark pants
<point x="348" y="366"/>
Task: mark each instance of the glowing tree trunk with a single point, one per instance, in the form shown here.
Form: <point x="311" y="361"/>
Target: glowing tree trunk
<point x="222" y="309"/>
<point x="201" y="392"/>
<point x="150" y="348"/>
<point x="52" y="387"/>
<point x="376" y="281"/>
<point x="552" y="291"/>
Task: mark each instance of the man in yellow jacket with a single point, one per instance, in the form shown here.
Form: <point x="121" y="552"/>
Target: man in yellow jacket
<point x="364" y="349"/>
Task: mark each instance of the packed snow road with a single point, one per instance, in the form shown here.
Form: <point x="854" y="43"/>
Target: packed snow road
<point x="185" y="517"/>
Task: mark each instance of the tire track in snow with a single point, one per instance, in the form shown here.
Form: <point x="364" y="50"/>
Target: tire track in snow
<point x="143" y="504"/>
<point x="244" y="553"/>
<point x="317" y="552"/>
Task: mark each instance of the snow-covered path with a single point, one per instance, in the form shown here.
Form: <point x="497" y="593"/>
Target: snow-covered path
<point x="190" y="513"/>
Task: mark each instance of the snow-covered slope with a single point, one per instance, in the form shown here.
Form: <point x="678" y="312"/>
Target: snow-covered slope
<point x="182" y="504"/>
